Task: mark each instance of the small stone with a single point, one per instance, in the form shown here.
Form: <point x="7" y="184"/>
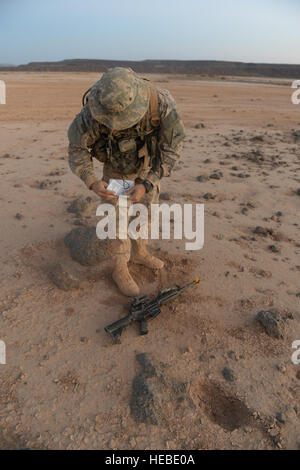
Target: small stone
<point x="228" y="374"/>
<point x="281" y="368"/>
<point x="208" y="196"/>
<point x="200" y="125"/>
<point x="272" y="322"/>
<point x="274" y="248"/>
<point x="217" y="175"/>
<point x="202" y="178"/>
<point x="165" y="196"/>
<point x="44" y="185"/>
<point x="19" y="216"/>
<point x="281" y="418"/>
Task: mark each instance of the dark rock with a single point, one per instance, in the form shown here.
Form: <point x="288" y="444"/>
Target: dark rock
<point x="6" y="155"/>
<point x="66" y="280"/>
<point x="272" y="322"/>
<point x="264" y="231"/>
<point x="202" y="178"/>
<point x="47" y="184"/>
<point x="217" y="175"/>
<point x="80" y="205"/>
<point x="165" y="196"/>
<point x="85" y="247"/>
<point x="228" y="374"/>
<point x="274" y="248"/>
<point x="257" y="138"/>
<point x="281" y="418"/>
<point x="19" y="216"/>
<point x="44" y="184"/>
<point x="209" y="196"/>
<point x="298" y="192"/>
<point x="199" y="126"/>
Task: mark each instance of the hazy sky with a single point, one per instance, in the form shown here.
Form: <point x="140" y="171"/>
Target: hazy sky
<point x="242" y="30"/>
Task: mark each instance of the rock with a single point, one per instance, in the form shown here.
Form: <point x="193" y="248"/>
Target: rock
<point x="165" y="196"/>
<point x="208" y="196"/>
<point x="274" y="248"/>
<point x="281" y="418"/>
<point x="47" y="184"/>
<point x="216" y="175"/>
<point x="202" y="178"/>
<point x="262" y="231"/>
<point x="44" y="185"/>
<point x="6" y="155"/>
<point x="257" y="138"/>
<point x="298" y="192"/>
<point x="64" y="279"/>
<point x="80" y="205"/>
<point x="19" y="216"/>
<point x="228" y="374"/>
<point x="272" y="322"/>
<point x="281" y="368"/>
<point x="85" y="247"/>
<point x="200" y="125"/>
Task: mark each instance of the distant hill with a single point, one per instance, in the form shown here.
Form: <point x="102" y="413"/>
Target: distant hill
<point x="201" y="67"/>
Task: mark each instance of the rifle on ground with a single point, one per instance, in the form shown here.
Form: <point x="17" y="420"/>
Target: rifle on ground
<point x="143" y="309"/>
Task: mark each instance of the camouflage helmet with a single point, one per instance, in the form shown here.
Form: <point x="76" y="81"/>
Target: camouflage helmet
<point x="119" y="99"/>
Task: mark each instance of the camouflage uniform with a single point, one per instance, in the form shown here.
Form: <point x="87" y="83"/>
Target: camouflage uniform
<point x="133" y="128"/>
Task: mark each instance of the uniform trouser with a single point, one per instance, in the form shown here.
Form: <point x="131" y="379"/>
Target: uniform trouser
<point x="121" y="246"/>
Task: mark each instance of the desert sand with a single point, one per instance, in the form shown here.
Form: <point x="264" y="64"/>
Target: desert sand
<point x="208" y="375"/>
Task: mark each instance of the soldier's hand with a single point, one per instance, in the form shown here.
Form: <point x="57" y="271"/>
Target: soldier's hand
<point x="100" y="189"/>
<point x="137" y="192"/>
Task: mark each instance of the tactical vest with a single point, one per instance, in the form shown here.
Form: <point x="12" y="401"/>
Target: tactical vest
<point x="130" y="152"/>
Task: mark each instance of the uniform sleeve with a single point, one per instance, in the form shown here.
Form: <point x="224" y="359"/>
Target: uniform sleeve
<point x="170" y="137"/>
<point x="82" y="134"/>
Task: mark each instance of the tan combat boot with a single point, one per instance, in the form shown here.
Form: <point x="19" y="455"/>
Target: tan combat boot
<point x="122" y="277"/>
<point x="140" y="255"/>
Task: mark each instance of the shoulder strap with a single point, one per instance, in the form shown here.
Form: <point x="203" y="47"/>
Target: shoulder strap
<point x="154" y="107"/>
<point x="153" y="104"/>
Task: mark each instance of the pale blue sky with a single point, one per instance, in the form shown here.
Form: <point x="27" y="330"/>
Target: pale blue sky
<point x="240" y="30"/>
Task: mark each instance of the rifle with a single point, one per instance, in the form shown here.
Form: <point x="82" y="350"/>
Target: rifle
<point x="143" y="309"/>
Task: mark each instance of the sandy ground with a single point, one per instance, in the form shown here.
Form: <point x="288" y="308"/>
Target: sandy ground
<point x="65" y="386"/>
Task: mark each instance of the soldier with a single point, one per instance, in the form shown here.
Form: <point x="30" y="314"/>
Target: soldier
<point x="133" y="128"/>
